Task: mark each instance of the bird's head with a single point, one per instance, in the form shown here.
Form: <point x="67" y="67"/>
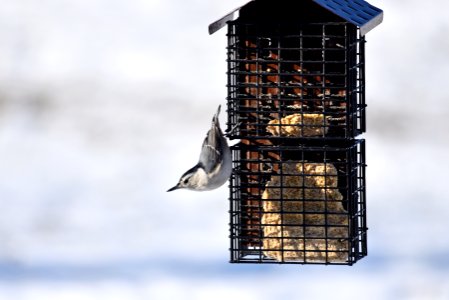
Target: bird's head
<point x="193" y="179"/>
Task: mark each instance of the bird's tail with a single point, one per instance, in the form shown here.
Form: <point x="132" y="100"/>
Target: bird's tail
<point x="215" y="118"/>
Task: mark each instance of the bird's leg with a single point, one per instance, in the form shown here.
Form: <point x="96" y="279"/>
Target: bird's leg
<point x="228" y="133"/>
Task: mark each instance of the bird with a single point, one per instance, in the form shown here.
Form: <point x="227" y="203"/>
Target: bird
<point x="215" y="163"/>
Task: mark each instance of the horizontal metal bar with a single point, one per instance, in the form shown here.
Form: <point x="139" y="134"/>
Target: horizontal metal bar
<point x="285" y="61"/>
<point x="237" y="47"/>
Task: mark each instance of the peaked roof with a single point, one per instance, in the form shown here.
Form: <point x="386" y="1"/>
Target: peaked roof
<point x="358" y="12"/>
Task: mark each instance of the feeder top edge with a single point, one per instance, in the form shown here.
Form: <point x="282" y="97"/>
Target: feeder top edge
<point x="357" y="12"/>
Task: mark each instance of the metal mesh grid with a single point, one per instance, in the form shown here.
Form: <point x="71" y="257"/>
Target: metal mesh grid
<point x="296" y="102"/>
<point x="311" y="75"/>
<point x="298" y="204"/>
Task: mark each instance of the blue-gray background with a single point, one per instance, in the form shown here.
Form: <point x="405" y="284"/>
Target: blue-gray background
<point x="96" y="97"/>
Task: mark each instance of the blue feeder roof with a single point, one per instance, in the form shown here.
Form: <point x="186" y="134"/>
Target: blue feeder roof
<point x="358" y="12"/>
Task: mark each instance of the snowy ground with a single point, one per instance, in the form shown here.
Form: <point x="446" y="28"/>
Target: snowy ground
<point x="101" y="110"/>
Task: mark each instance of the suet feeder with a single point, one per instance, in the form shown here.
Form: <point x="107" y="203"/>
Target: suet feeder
<point x="296" y="102"/>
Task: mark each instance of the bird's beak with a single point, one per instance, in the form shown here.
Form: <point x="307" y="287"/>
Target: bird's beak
<point x="173" y="188"/>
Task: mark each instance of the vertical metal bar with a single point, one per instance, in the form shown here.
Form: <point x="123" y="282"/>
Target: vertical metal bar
<point x="362" y="83"/>
<point x="347" y="81"/>
<point x="230" y="36"/>
<point x="350" y="205"/>
<point x="356" y="197"/>
<point x="229" y="91"/>
<point x="323" y="71"/>
<point x="304" y="228"/>
<point x="326" y="221"/>
<point x="281" y="185"/>
<point x="363" y="197"/>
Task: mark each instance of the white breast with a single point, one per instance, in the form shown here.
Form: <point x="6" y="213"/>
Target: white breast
<point x="220" y="175"/>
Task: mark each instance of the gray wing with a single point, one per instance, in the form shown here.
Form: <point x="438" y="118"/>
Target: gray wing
<point x="213" y="145"/>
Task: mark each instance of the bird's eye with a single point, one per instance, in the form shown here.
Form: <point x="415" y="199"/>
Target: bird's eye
<point x="185" y="181"/>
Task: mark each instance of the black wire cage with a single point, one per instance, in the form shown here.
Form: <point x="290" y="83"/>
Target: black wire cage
<point x="296" y="102"/>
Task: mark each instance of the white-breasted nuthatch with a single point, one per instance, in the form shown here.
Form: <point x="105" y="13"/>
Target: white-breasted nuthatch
<point x="215" y="164"/>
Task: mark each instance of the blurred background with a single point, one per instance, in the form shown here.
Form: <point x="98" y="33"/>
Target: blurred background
<point x="105" y="103"/>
